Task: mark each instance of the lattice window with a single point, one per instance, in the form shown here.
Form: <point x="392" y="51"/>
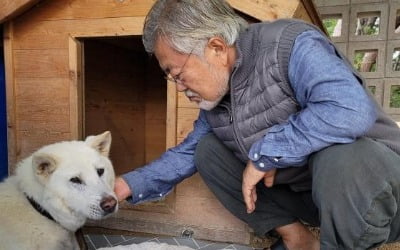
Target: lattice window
<point x="370" y="38"/>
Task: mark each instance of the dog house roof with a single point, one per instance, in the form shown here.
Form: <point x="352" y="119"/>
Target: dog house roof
<point x="275" y="8"/>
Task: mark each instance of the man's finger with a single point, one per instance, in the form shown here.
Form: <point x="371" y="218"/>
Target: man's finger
<point x="269" y="178"/>
<point x="254" y="195"/>
<point x="248" y="199"/>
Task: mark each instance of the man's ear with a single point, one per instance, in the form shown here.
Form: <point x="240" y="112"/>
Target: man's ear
<point x="217" y="49"/>
<point x="101" y="143"/>
<point x="43" y="164"/>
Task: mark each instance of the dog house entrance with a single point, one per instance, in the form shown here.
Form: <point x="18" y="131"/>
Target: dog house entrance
<point x="124" y="92"/>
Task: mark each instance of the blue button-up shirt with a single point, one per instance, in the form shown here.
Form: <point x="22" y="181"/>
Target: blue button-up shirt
<point x="334" y="109"/>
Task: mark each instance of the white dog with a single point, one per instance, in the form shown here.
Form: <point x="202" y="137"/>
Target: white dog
<point x="54" y="191"/>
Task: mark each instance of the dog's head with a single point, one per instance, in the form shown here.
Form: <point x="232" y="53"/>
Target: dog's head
<point x="76" y="178"/>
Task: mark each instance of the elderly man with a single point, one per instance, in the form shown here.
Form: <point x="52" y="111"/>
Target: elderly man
<point x="287" y="134"/>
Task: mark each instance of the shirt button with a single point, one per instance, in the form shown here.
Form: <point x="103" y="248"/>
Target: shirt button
<point x="256" y="156"/>
<point x="261" y="165"/>
<point x="276" y="159"/>
<point x="140" y="195"/>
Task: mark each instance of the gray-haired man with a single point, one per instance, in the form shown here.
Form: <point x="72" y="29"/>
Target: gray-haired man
<point x="286" y="135"/>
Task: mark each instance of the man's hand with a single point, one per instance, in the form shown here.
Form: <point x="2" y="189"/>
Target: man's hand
<point x="121" y="189"/>
<point x="251" y="176"/>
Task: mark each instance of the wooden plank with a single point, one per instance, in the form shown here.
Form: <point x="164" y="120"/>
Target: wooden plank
<point x="149" y="223"/>
<point x="93" y="9"/>
<point x="12" y="143"/>
<point x="171" y="128"/>
<point x="42" y="91"/>
<point x="301" y="13"/>
<point x="42" y="104"/>
<point x="41" y="63"/>
<point x="13" y="8"/>
<point x="41" y="117"/>
<point x="184" y="102"/>
<point x="186" y="117"/>
<point x="307" y="11"/>
<point x="31" y="140"/>
<point x="267" y="9"/>
<point x="55" y="34"/>
<point x="76" y="114"/>
<point x="194" y="186"/>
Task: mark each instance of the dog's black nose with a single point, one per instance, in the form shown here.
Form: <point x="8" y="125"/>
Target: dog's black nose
<point x="108" y="204"/>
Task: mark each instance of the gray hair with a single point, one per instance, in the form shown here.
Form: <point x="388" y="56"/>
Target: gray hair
<point x="188" y="24"/>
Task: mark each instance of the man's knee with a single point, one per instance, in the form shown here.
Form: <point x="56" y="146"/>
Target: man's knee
<point x="357" y="183"/>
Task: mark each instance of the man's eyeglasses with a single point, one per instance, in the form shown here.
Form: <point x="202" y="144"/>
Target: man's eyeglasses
<point x="177" y="78"/>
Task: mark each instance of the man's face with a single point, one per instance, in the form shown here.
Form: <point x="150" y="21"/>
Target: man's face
<point x="203" y="80"/>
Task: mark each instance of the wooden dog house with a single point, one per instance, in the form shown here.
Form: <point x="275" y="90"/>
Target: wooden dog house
<point x="78" y="67"/>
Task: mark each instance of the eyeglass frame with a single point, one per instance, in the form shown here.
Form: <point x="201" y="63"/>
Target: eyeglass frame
<point x="176" y="79"/>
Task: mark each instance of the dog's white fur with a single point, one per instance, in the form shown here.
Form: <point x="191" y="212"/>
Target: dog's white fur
<point x="71" y="180"/>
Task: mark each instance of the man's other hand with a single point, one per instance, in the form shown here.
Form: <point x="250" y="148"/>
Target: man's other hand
<point x="251" y="176"/>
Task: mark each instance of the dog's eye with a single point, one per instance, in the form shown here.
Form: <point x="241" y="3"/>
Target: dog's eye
<point x="76" y="180"/>
<point x="100" y="171"/>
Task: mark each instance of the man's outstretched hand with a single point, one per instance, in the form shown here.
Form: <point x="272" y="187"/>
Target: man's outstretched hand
<point x="121" y="189"/>
<point x="251" y="176"/>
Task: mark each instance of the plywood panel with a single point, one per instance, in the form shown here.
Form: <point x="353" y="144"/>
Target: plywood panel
<point x="213" y="221"/>
<point x="186" y="117"/>
<point x="42" y="91"/>
<point x="54" y="34"/>
<point x="194" y="185"/>
<point x="37" y="117"/>
<point x="76" y="99"/>
<point x="78" y="9"/>
<point x="266" y="10"/>
<point x="31" y="140"/>
<point x="43" y="105"/>
<point x="10" y="95"/>
<point x="184" y="102"/>
<point x="171" y="116"/>
<point x="12" y="8"/>
<point x="301" y="13"/>
<point x="41" y="63"/>
<point x="213" y="216"/>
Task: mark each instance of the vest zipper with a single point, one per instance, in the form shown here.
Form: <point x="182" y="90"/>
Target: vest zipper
<point x="232" y="118"/>
<point x="229" y="111"/>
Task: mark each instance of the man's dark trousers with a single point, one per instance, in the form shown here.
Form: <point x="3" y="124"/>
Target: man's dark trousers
<point x="354" y="195"/>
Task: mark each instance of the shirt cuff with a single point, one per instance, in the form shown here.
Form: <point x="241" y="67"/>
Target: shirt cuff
<point x="265" y="163"/>
<point x="136" y="184"/>
<point x="262" y="162"/>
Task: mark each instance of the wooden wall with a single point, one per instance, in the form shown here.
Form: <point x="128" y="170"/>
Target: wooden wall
<point x="39" y="79"/>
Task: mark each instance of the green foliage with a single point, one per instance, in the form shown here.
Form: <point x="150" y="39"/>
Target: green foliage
<point x="395" y="96"/>
<point x="370" y="30"/>
<point x="372" y="89"/>
<point x="330" y="24"/>
<point x="358" y="59"/>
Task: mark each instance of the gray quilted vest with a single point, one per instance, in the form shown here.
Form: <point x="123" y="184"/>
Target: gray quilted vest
<point x="260" y="93"/>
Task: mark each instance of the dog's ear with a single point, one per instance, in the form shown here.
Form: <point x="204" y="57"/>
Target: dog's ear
<point x="101" y="143"/>
<point x="43" y="164"/>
